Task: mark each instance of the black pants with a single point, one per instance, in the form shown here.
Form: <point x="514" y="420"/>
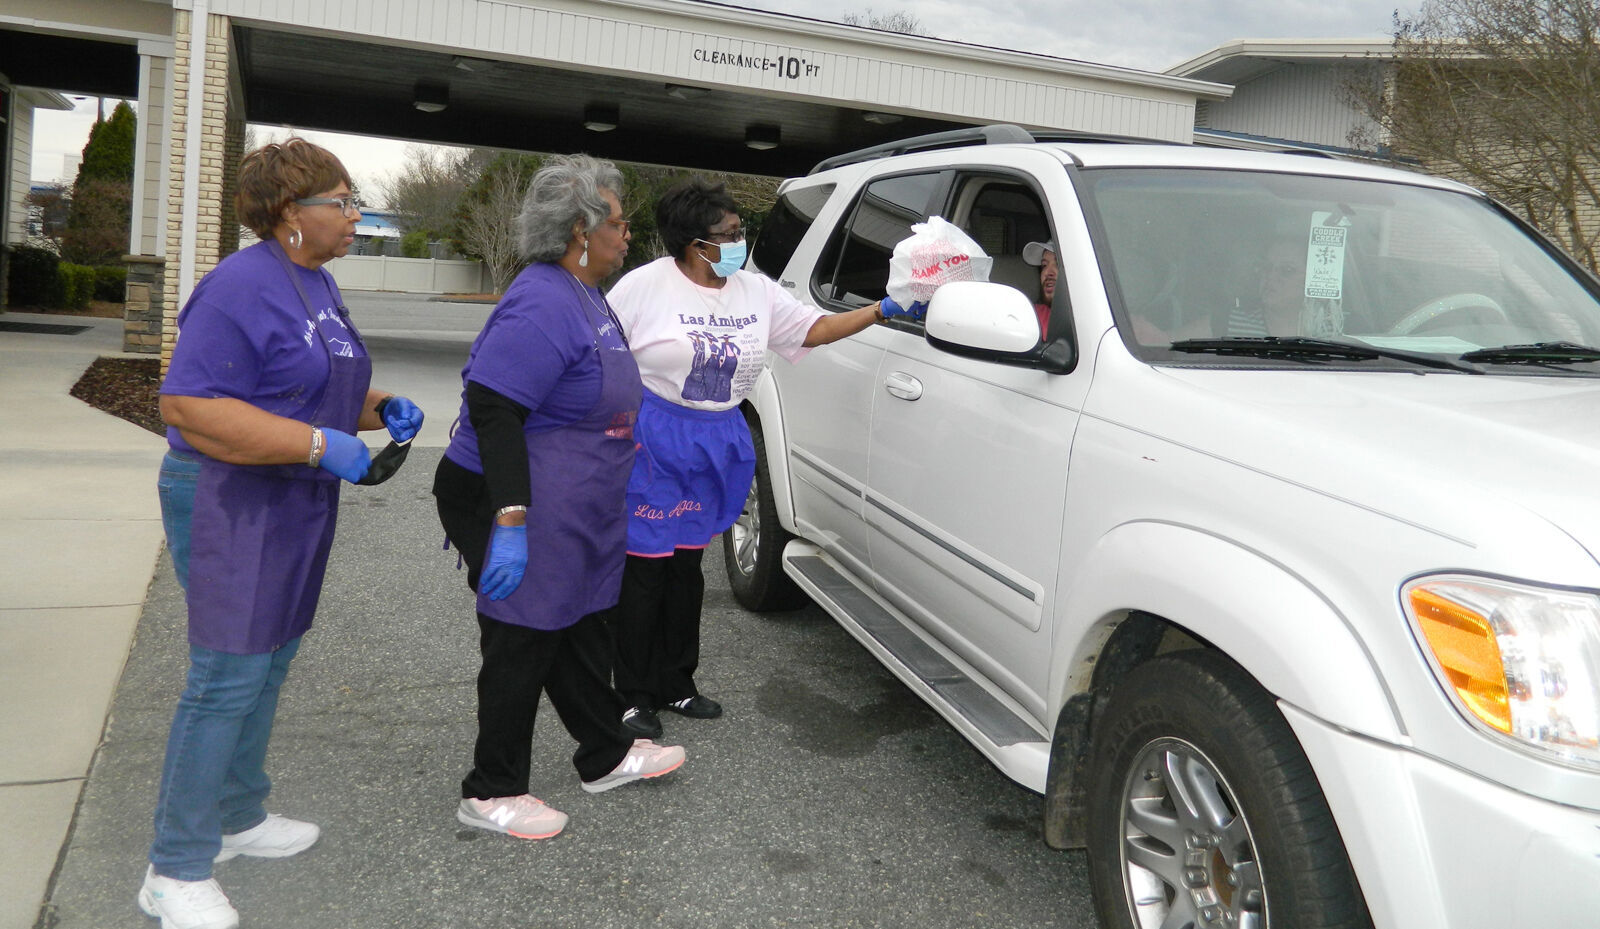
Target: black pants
<point x="656" y="628"/>
<point x="519" y="663"/>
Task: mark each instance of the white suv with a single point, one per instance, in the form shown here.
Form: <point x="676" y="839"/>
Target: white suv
<point x="1287" y="603"/>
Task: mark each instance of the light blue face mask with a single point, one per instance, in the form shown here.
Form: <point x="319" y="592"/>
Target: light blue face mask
<point x="732" y="259"/>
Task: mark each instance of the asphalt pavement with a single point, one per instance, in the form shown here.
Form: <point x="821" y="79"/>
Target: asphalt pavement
<point x="827" y="795"/>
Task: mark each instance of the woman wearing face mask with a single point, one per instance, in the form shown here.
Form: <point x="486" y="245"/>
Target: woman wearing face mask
<point x="700" y="329"/>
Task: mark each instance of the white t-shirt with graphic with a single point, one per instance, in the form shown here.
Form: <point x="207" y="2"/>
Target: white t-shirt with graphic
<point x="703" y="347"/>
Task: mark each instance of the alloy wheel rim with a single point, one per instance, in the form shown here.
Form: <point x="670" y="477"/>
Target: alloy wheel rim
<point x="1187" y="853"/>
<point x="746" y="533"/>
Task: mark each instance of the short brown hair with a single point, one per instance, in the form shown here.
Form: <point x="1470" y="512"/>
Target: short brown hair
<point x="278" y="173"/>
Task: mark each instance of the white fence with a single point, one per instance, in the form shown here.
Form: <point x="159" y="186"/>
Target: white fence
<point x="412" y="275"/>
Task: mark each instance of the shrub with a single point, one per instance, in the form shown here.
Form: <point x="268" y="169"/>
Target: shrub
<point x="33" y="275"/>
<point x="111" y="284"/>
<point x="77" y="286"/>
<point x="414" y="244"/>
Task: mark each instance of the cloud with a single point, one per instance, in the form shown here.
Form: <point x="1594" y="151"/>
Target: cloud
<point x="1147" y="34"/>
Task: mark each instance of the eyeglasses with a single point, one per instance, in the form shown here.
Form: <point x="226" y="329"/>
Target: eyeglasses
<point x="723" y="238"/>
<point x="621" y="224"/>
<point x="346" y="205"/>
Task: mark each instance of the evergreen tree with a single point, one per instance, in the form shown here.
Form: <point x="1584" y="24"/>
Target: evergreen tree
<point x="102" y="197"/>
<point x="108" y="155"/>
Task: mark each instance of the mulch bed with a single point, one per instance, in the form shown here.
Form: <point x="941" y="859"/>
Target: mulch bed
<point x="128" y="388"/>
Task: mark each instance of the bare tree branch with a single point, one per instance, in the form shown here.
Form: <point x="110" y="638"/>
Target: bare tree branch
<point x="1505" y="95"/>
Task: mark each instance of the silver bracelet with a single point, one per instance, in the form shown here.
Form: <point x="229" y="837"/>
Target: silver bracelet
<point x="506" y="510"/>
<point x="317" y="440"/>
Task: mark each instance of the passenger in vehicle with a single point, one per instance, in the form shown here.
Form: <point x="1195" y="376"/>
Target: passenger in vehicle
<point x="700" y="329"/>
<point x="1276" y="305"/>
<point x="1042" y="255"/>
<point x="1281" y="306"/>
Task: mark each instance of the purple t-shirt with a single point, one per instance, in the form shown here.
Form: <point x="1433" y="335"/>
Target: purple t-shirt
<point x="540" y="347"/>
<point x="244" y="334"/>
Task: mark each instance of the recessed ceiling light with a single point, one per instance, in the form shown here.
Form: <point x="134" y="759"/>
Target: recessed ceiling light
<point x="599" y="117"/>
<point x="761" y="138"/>
<point x="430" y="97"/>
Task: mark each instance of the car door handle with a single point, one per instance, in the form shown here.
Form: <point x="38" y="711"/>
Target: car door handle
<point x="903" y="385"/>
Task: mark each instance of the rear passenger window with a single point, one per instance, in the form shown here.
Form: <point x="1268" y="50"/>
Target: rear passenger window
<point x="785" y="226"/>
<point x="854" y="268"/>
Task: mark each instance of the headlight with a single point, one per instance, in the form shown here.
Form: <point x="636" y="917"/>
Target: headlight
<point x="1520" y="661"/>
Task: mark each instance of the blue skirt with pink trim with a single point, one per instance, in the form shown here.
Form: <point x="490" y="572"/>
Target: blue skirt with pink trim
<point x="691" y="473"/>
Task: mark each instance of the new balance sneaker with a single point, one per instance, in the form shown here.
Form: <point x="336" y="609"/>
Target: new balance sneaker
<point x="273" y="837"/>
<point x="641" y="722"/>
<point x="524" y="817"/>
<point x="698" y="706"/>
<point x="186" y="904"/>
<point x="644" y="759"/>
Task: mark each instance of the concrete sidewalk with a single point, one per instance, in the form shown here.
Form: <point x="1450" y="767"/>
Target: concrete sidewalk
<point x="80" y="529"/>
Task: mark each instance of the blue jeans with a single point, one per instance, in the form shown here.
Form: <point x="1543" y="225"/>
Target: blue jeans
<point x="175" y="486"/>
<point x="214" y="780"/>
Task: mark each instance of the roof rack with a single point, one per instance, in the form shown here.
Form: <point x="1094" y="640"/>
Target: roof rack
<point x="997" y="134"/>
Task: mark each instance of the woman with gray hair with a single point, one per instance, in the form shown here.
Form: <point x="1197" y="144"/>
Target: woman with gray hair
<point x="530" y="492"/>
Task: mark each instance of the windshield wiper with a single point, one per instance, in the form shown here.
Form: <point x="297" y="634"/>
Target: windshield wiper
<point x="1312" y="349"/>
<point x="1536" y="353"/>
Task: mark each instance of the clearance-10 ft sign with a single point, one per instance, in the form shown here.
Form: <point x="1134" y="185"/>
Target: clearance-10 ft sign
<point x="787" y="66"/>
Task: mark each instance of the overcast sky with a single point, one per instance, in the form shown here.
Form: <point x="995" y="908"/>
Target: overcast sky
<point x="1151" y="35"/>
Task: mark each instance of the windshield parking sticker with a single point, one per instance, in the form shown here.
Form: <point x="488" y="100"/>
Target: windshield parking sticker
<point x="1325" y="257"/>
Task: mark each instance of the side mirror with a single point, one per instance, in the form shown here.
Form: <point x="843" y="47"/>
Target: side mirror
<point x="982" y="315"/>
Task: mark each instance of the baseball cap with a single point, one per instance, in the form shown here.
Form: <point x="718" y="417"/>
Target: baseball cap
<point x="1033" y="252"/>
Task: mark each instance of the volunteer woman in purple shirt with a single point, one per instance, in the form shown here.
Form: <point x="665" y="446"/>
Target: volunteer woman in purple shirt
<point x="530" y="492"/>
<point x="268" y="384"/>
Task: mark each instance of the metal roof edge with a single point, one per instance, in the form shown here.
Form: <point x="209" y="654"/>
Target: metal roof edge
<point x="41" y="99"/>
<point x="1282" y="49"/>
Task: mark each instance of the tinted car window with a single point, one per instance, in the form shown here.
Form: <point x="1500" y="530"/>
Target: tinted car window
<point x="785" y="226"/>
<point x="854" y="269"/>
<point x="1237" y="254"/>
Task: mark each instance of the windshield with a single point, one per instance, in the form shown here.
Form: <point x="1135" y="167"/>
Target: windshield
<point x="1194" y="257"/>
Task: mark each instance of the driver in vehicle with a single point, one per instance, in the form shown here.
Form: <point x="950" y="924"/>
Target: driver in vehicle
<point x="1042" y="255"/>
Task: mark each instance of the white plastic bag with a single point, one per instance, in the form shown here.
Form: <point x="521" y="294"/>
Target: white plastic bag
<point x="936" y="253"/>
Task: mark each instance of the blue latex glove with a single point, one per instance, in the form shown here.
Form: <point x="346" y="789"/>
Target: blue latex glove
<point x="402" y="417"/>
<point x="915" y="311"/>
<point x="345" y="455"/>
<point x="508" y="558"/>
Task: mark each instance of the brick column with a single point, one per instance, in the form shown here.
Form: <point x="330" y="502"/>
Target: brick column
<point x="221" y="121"/>
<point x="142" y="314"/>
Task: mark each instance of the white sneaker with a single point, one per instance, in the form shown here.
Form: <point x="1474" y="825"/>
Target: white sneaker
<point x="644" y="759"/>
<point x="524" y="817"/>
<point x="186" y="904"/>
<point x="273" y="837"/>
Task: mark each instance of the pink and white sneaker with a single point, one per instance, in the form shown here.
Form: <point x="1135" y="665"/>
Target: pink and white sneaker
<point x="644" y="759"/>
<point x="523" y="817"/>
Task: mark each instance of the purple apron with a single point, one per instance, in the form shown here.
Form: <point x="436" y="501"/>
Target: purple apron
<point x="577" y="525"/>
<point x="261" y="533"/>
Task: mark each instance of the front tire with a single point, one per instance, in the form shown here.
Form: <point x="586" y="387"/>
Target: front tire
<point x="752" y="550"/>
<point x="1204" y="811"/>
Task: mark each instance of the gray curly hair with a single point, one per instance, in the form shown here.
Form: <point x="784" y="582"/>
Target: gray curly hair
<point x="567" y="189"/>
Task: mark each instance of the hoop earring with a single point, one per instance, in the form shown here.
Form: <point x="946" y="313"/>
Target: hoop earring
<point x="295" y="239"/>
<point x="583" y="260"/>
